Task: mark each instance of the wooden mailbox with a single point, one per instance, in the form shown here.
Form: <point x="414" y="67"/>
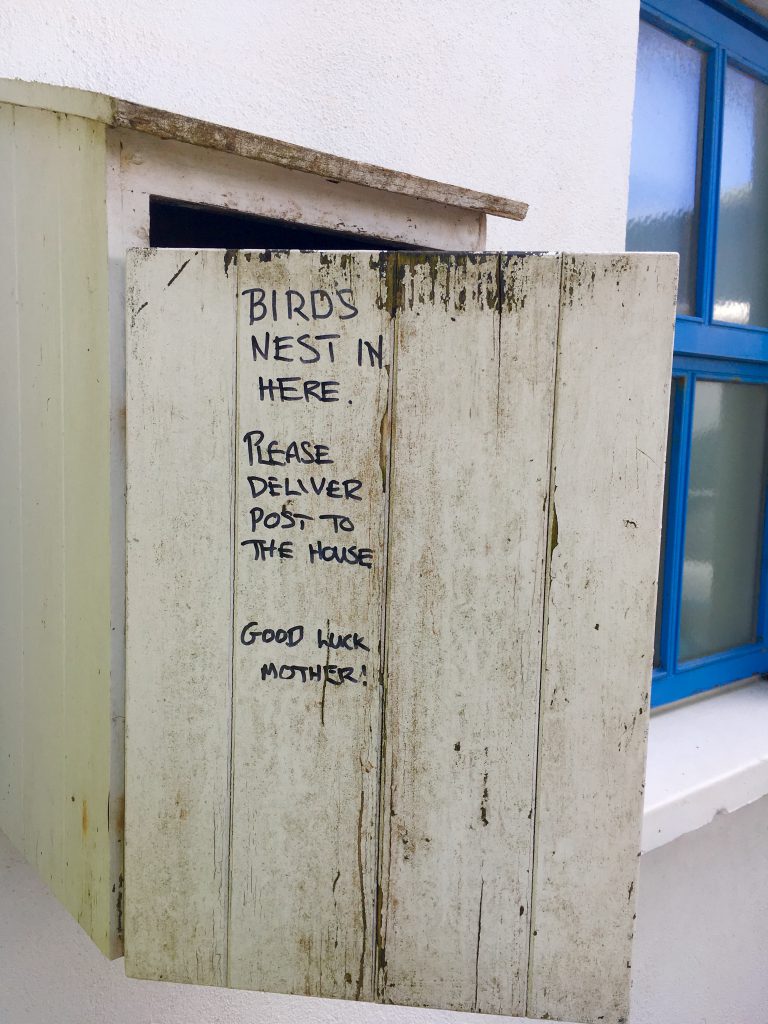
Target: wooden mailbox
<point x="392" y="547"/>
<point x="83" y="178"/>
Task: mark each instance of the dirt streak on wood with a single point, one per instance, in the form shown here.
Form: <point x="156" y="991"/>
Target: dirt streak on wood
<point x="179" y="614"/>
<point x="465" y="591"/>
<point x="613" y="374"/>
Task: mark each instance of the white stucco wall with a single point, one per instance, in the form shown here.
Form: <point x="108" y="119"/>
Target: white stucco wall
<point x="701" y="938"/>
<point x="527" y="99"/>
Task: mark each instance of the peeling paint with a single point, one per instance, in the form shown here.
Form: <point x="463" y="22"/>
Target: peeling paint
<point x="230" y="257"/>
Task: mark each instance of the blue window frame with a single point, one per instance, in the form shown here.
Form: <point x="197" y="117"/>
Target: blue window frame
<point x="719" y="350"/>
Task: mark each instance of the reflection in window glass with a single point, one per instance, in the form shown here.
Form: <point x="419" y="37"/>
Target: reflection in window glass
<point x="723" y="538"/>
<point x="677" y="383"/>
<point x="741" y="296"/>
<point x="666" y="143"/>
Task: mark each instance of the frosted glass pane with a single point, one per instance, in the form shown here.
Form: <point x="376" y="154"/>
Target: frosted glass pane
<point x="723" y="537"/>
<point x="666" y="141"/>
<point x="741" y="296"/>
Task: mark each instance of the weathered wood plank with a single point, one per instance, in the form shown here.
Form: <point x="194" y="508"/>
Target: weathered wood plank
<point x="56" y="685"/>
<point x="306" y="747"/>
<point x="85" y="472"/>
<point x="472" y="428"/>
<point x="149" y="166"/>
<point x="614" y="356"/>
<point x="505" y="865"/>
<point x="125" y="114"/>
<point x="299" y="158"/>
<point x="11" y="568"/>
<point x="181" y="128"/>
<point x="180" y="388"/>
<point x="41" y="343"/>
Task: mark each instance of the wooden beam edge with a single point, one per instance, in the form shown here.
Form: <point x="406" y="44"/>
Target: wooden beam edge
<point x="166" y="125"/>
<point x="181" y="128"/>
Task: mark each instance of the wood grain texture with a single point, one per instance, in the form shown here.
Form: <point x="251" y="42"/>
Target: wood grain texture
<point x="306" y="750"/>
<point x="55" y="694"/>
<point x="180" y="388"/>
<point x="475" y="352"/>
<point x="614" y="361"/>
<point x="457" y="826"/>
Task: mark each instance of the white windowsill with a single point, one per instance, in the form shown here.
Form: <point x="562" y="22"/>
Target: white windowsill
<point x="705" y="757"/>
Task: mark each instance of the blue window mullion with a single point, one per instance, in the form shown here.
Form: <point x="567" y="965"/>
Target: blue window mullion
<point x="679" y="464"/>
<point x="699" y="676"/>
<point x="710" y="181"/>
<point x="727" y="32"/>
<point x="762" y="607"/>
<point x="666" y="595"/>
<point x="721" y="341"/>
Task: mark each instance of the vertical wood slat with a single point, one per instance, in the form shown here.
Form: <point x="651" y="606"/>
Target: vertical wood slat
<point x="11" y="566"/>
<point x="475" y="349"/>
<point x="613" y="378"/>
<point x="180" y="388"/>
<point x="55" y="693"/>
<point x="86" y="509"/>
<point x="42" y="537"/>
<point x="306" y="753"/>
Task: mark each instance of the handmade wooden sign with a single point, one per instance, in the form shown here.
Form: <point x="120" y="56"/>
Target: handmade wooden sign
<point x="393" y="526"/>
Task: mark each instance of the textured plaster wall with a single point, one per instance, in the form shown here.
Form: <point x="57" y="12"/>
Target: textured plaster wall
<point x="701" y="939"/>
<point x="525" y="98"/>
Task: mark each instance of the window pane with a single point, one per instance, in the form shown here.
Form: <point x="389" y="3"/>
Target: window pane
<point x="666" y="142"/>
<point x="723" y="538"/>
<point x="677" y="383"/>
<point x="741" y="296"/>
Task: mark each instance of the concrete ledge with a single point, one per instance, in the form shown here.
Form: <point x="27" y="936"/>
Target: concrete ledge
<point x="705" y="757"/>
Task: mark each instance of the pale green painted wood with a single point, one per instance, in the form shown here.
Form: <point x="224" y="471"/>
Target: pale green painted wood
<point x="57" y="99"/>
<point x="85" y="473"/>
<point x="42" y="533"/>
<point x="55" y="696"/>
<point x="11" y="570"/>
